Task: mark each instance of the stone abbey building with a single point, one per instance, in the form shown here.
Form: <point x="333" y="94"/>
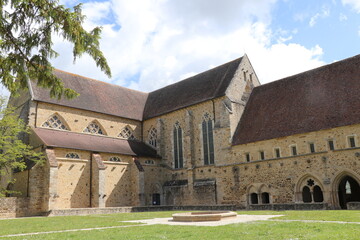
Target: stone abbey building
<point x="216" y="138"/>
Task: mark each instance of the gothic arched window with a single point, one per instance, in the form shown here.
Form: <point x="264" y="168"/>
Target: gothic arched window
<point x="178" y="149"/>
<point x="208" y="140"/>
<point x="127" y="133"/>
<point x="54" y="122"/>
<point x="153" y="137"/>
<point x="94" y="128"/>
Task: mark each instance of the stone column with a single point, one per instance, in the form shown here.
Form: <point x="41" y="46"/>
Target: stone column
<point x="97" y="181"/>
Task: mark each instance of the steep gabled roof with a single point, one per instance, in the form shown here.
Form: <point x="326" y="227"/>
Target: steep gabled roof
<point x="199" y="88"/>
<point x="321" y="98"/>
<point x="96" y="96"/>
<point x="95" y="143"/>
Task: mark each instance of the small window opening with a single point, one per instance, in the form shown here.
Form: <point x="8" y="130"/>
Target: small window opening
<point x="277" y="153"/>
<point x="331" y="144"/>
<point x="347" y="187"/>
<point x="293" y="150"/>
<point x="114" y="159"/>
<point x="262" y="155"/>
<point x="72" y="155"/>
<point x="247" y="157"/>
<point x="352" y="141"/>
<point x="312" y="147"/>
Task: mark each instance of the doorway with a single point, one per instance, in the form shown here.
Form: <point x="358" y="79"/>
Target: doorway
<point x="348" y="191"/>
<point x="156" y="199"/>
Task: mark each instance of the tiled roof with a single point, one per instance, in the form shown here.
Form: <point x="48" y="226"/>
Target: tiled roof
<point x="96" y="96"/>
<point x="321" y="98"/>
<point x="94" y="143"/>
<point x="199" y="88"/>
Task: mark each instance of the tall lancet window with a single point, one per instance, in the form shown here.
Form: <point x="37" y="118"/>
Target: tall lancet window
<point x="208" y="139"/>
<point x="178" y="148"/>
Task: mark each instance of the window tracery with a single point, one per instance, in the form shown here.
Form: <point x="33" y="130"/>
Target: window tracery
<point x="127" y="133"/>
<point x="72" y="155"/>
<point x="54" y="122"/>
<point x="94" y="128"/>
<point x="152" y="139"/>
<point x="114" y="159"/>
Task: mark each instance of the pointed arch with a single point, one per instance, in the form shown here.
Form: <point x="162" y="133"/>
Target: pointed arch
<point x="95" y="128"/>
<point x="343" y="180"/>
<point x="309" y="189"/>
<point x="127" y="133"/>
<point x="57" y="122"/>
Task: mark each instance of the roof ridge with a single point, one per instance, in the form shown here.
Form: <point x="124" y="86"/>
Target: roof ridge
<point x="200" y="73"/>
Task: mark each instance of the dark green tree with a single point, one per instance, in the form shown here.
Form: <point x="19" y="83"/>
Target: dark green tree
<point x="26" y="47"/>
<point x="14" y="153"/>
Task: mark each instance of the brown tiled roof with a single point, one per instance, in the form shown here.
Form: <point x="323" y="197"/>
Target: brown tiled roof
<point x="64" y="139"/>
<point x="202" y="87"/>
<point x="97" y="96"/>
<point x="322" y="98"/>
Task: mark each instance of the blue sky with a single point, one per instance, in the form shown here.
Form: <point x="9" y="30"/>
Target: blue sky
<point x="150" y="44"/>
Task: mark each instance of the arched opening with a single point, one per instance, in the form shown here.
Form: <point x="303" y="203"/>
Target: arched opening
<point x="306" y="194"/>
<point x="318" y="194"/>
<point x="254" y="198"/>
<point x="349" y="191"/>
<point x="265" y="198"/>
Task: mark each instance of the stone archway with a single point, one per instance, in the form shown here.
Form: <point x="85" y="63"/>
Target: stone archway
<point x="348" y="191"/>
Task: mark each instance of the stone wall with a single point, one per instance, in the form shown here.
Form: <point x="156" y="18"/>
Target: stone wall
<point x="14" y="207"/>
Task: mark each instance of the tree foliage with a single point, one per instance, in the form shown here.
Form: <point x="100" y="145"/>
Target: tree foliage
<point x="26" y="47"/>
<point x="14" y="153"/>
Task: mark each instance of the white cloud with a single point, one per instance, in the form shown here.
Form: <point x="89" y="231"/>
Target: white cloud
<point x="150" y="44"/>
<point x="342" y="17"/>
<point x="325" y="12"/>
<point x="355" y="4"/>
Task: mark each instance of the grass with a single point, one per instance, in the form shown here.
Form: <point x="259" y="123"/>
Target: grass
<point x="253" y="230"/>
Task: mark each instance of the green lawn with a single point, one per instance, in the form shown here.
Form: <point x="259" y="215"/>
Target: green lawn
<point x="253" y="230"/>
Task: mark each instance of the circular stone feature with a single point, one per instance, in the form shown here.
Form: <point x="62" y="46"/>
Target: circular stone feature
<point x="203" y="216"/>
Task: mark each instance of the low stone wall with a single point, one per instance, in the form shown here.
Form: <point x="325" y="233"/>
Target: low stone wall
<point x="353" y="205"/>
<point x="109" y="210"/>
<point x="295" y="206"/>
<point x="11" y="207"/>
